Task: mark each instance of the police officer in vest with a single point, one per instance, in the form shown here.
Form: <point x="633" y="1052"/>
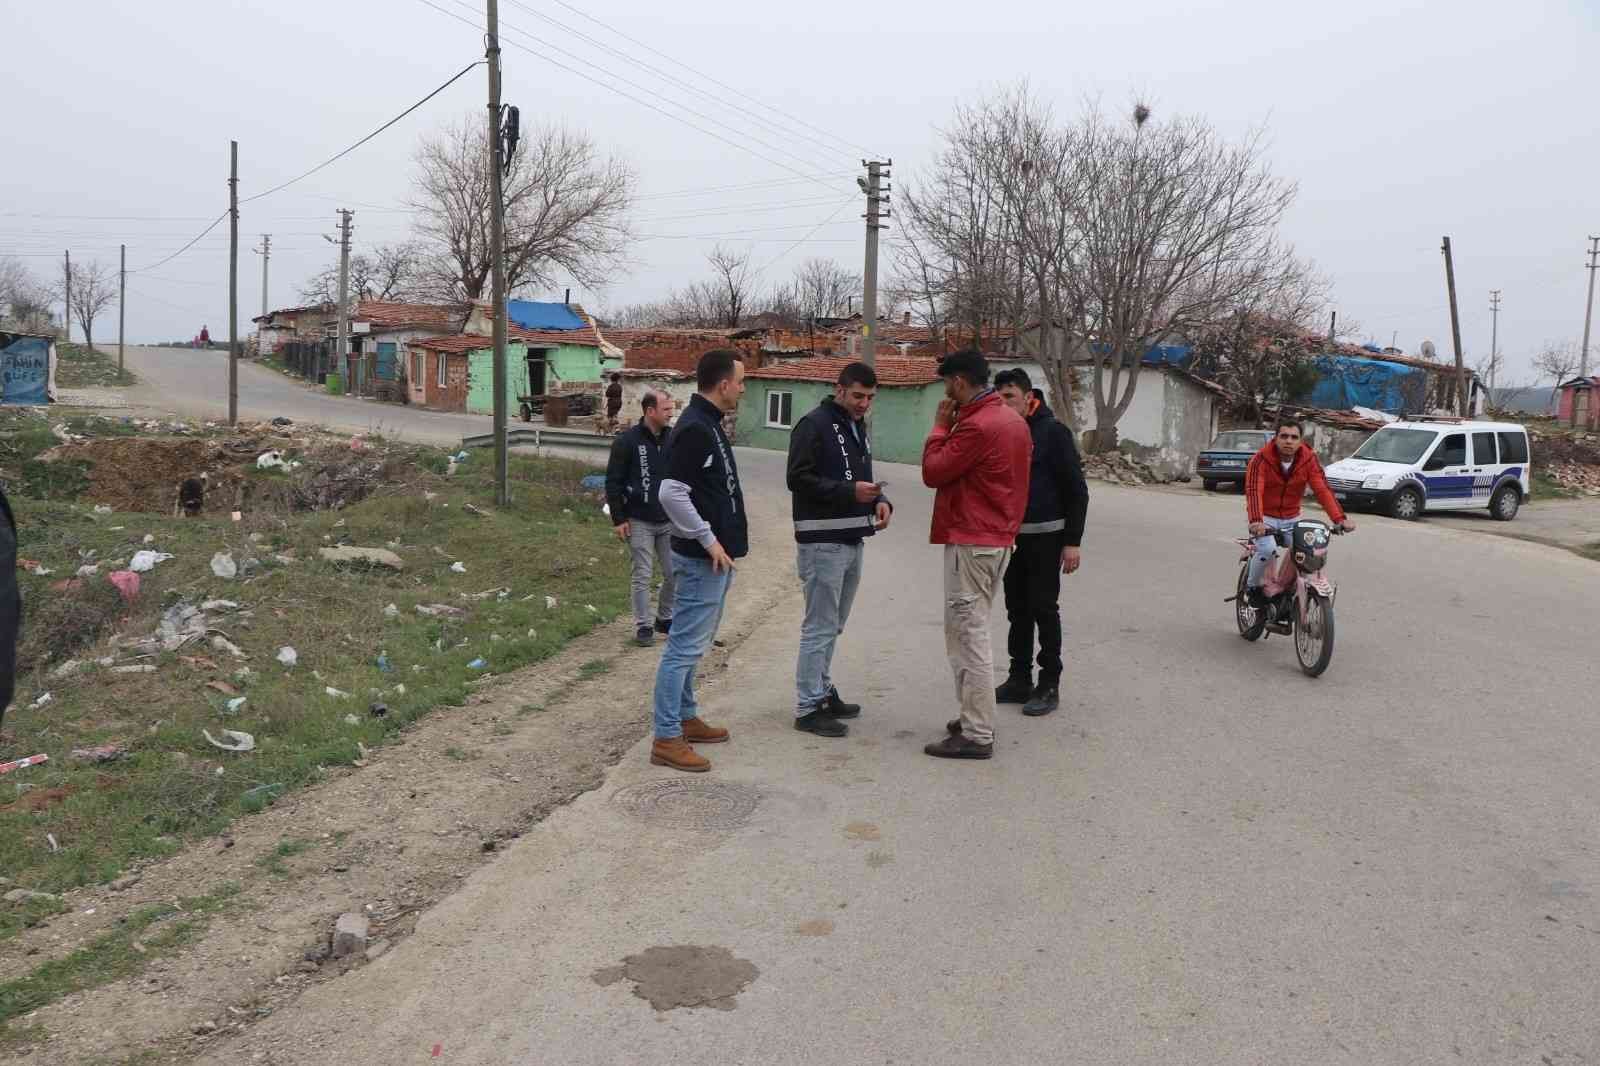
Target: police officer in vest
<point x="633" y="489"/>
<point x="1047" y="547"/>
<point x="836" y="506"/>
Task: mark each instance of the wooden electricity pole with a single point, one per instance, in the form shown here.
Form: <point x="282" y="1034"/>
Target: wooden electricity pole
<point x="233" y="284"/>
<point x="1455" y="329"/>
<point x="497" y="260"/>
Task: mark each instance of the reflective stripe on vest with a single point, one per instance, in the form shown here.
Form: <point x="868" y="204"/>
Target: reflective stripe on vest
<point x="817" y="525"/>
<point x="1055" y="526"/>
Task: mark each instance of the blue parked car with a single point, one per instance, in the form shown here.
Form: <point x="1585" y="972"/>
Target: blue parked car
<point x="1228" y="455"/>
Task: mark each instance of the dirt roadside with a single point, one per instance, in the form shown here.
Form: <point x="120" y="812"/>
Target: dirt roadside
<point x="388" y="839"/>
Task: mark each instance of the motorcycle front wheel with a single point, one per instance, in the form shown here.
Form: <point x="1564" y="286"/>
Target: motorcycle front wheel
<point x="1313" y="637"/>
<point x="1251" y="620"/>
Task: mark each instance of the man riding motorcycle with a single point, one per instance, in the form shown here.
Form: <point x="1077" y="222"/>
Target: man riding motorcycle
<point x="1274" y="483"/>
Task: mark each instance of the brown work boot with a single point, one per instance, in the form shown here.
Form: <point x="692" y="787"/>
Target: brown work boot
<point x="696" y="731"/>
<point x="676" y="753"/>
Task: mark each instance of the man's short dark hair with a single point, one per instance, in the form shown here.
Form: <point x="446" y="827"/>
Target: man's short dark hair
<point x="858" y="374"/>
<point x="648" y="400"/>
<point x="968" y="363"/>
<point x="1288" y="420"/>
<point x="715" y="367"/>
<point x="1017" y="377"/>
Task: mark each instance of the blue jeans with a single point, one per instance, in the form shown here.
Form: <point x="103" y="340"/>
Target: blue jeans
<point x="1266" y="547"/>
<point x="829" y="574"/>
<point x="697" y="611"/>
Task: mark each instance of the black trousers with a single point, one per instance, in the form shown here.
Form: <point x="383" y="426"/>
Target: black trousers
<point x="1033" y="592"/>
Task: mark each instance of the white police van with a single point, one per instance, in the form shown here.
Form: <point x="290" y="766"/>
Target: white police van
<point x="1438" y="464"/>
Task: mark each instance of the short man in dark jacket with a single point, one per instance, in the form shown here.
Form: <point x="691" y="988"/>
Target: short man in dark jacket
<point x="705" y="505"/>
<point x="10" y="605"/>
<point x="836" y="506"/>
<point x="1047" y="547"/>
<point x="633" y="492"/>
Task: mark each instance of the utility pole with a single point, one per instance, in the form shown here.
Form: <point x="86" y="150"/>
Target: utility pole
<point x="66" y="315"/>
<point x="122" y="299"/>
<point x="877" y="210"/>
<point x="1588" y="314"/>
<point x="265" y="252"/>
<point x="1494" y="339"/>
<point x="341" y="346"/>
<point x="1333" y="326"/>
<point x="1455" y="328"/>
<point x="497" y="259"/>
<point x="233" y="283"/>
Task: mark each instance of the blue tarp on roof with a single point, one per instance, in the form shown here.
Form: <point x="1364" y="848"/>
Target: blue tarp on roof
<point x="535" y="314"/>
<point x="1156" y="355"/>
<point x="1346" y="381"/>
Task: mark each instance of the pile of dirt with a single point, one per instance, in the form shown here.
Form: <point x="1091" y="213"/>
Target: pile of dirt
<point x="1570" y="458"/>
<point x="1119" y="468"/>
<point x="1580" y="477"/>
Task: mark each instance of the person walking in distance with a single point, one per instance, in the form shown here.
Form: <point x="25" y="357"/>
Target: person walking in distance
<point x="976" y="459"/>
<point x="836" y="506"/>
<point x="1047" y="547"/>
<point x="705" y="504"/>
<point x="613" y="401"/>
<point x="633" y="492"/>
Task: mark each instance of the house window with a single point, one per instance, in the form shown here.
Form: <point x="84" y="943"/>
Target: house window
<point x="441" y="370"/>
<point x="780" y="410"/>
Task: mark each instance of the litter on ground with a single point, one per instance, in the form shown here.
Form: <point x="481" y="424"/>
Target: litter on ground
<point x="236" y="741"/>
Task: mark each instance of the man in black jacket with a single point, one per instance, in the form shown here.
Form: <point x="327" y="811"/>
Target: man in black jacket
<point x="705" y="504"/>
<point x="1047" y="547"/>
<point x="836" y="506"/>
<point x="633" y="488"/>
<point x="10" y="605"/>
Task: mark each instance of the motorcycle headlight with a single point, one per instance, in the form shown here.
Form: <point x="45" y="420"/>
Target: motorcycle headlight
<point x="1373" y="482"/>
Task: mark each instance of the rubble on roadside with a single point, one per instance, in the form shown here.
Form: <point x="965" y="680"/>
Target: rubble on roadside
<point x="1119" y="468"/>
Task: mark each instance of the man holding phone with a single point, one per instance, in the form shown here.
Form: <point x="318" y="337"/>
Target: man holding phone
<point x="836" y="506"/>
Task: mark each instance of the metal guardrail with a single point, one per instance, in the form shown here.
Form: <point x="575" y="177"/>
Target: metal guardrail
<point x="540" y="437"/>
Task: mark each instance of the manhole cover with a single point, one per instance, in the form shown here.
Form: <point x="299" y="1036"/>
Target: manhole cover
<point x="689" y="804"/>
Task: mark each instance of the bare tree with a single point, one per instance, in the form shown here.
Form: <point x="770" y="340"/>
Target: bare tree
<point x="388" y="272"/>
<point x="566" y="210"/>
<point x="731" y="285"/>
<point x="1557" y="360"/>
<point x="820" y="288"/>
<point x="24" y="300"/>
<point x="94" y="288"/>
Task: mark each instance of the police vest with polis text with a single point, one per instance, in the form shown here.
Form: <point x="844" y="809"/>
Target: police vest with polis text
<point x="842" y="451"/>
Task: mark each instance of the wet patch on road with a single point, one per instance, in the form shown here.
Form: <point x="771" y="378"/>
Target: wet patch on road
<point x="686" y="975"/>
<point x="877" y="860"/>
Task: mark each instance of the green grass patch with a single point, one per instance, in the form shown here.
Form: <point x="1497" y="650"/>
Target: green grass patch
<point x="170" y="785"/>
<point x="594" y="668"/>
<point x="272" y="861"/>
<point x="78" y="367"/>
<point x="146" y="934"/>
<point x="1544" y="488"/>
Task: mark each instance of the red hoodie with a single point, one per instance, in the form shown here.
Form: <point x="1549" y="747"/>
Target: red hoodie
<point x="980" y="471"/>
<point x="1269" y="492"/>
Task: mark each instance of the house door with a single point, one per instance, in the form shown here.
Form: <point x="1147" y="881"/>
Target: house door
<point x="388" y="362"/>
<point x="536" y="368"/>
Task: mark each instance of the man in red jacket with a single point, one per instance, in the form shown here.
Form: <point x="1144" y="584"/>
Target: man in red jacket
<point x="976" y="458"/>
<point x="1274" y="483"/>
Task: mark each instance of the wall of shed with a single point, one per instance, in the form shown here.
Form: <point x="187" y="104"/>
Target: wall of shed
<point x="901" y="416"/>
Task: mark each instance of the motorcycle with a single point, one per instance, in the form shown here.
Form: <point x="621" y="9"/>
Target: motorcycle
<point x="1299" y="596"/>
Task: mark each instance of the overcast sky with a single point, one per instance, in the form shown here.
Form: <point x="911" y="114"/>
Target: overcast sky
<point x="1401" y="120"/>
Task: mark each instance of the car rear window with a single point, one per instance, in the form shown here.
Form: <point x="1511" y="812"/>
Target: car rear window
<point x="1238" y="442"/>
<point x="1513" y="447"/>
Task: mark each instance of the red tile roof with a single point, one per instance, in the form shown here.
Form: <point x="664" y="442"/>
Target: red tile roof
<point x="455" y="342"/>
<point x="891" y="371"/>
<point x="395" y="314"/>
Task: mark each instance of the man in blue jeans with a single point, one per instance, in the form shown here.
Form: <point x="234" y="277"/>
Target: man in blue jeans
<point x="705" y="504"/>
<point x="836" y="506"/>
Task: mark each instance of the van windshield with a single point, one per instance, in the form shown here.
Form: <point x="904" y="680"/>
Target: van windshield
<point x="1396" y="445"/>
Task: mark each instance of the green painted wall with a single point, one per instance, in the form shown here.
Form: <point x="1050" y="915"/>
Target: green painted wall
<point x="569" y="363"/>
<point x="480" y="377"/>
<point x="901" y="416"/>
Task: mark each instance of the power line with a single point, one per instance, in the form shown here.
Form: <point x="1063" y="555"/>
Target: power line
<point x="714" y="81"/>
<point x="736" y="232"/>
<point x="703" y="190"/>
<point x="186" y="247"/>
<point x="825" y="222"/>
<point x="674" y="79"/>
<point x="334" y="159"/>
<point x="625" y="95"/>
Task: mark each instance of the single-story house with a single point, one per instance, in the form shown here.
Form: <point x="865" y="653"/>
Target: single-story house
<point x="550" y="348"/>
<point x="777" y="396"/>
<point x="380" y="330"/>
<point x="1578" y="402"/>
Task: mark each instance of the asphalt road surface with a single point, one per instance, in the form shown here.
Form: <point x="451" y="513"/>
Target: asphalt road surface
<point x="1204" y="857"/>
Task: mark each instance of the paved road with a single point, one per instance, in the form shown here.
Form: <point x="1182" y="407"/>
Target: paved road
<point x="1204" y="858"/>
<point x="195" y="383"/>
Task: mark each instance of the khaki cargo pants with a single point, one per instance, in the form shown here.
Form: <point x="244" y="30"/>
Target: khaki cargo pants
<point x="972" y="577"/>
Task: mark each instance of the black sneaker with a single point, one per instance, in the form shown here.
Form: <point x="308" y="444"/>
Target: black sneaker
<point x="644" y="636"/>
<point x="959" y="748"/>
<point x="821" y="723"/>
<point x="834" y="707"/>
<point x="663" y="625"/>
<point x="1044" y="700"/>
<point x="1015" y="690"/>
